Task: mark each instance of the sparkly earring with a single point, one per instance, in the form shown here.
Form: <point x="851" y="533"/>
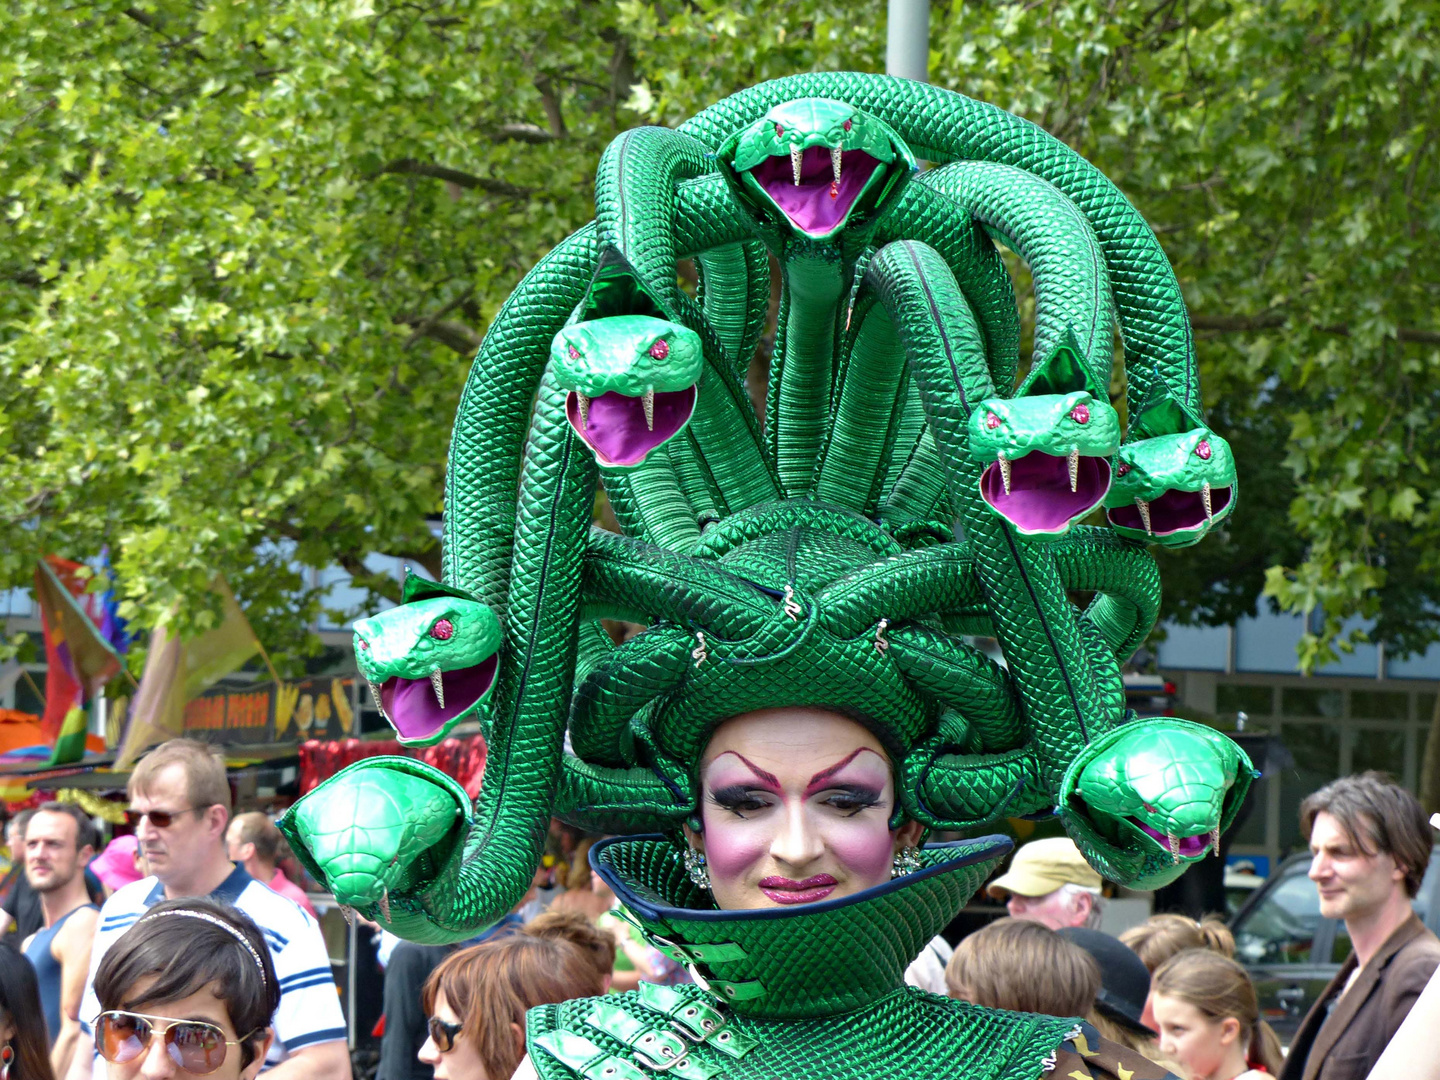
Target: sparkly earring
<point x="7" y="1055"/>
<point x="907" y="861"/>
<point x="695" y="867"/>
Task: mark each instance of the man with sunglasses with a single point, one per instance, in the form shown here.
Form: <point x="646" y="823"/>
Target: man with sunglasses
<point x="180" y="807"/>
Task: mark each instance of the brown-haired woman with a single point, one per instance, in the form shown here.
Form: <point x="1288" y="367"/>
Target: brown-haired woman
<point x="1160" y="937"/>
<point x="1023" y="966"/>
<point x="477" y="999"/>
<point x="24" y="1050"/>
<point x="1210" y="1020"/>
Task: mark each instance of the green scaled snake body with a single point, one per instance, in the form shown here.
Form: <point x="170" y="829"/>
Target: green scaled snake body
<point x="902" y="494"/>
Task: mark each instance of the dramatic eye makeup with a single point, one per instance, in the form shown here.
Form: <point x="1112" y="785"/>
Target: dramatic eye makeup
<point x="855" y="783"/>
<point x="738" y="798"/>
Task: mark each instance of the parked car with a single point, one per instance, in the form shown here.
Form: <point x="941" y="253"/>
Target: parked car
<point x="1292" y="951"/>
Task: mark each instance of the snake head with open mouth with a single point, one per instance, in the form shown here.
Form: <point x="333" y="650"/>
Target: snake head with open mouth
<point x="1167" y="787"/>
<point x="431" y="661"/>
<point x="632" y="383"/>
<point x="1047" y="448"/>
<point x="817" y="165"/>
<point x="1175" y="482"/>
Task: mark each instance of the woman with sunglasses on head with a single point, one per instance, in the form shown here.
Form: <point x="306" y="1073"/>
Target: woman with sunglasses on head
<point x="189" y="990"/>
<point x="477" y="998"/>
<point x="24" y="1050"/>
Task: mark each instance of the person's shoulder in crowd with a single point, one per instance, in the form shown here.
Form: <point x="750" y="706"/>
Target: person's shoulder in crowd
<point x="125" y="905"/>
<point x="1087" y="1056"/>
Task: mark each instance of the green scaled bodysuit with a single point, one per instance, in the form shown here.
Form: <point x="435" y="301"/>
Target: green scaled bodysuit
<point x="904" y="494"/>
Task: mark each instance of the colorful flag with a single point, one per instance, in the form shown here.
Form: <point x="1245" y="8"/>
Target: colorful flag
<point x="177" y="671"/>
<point x="79" y="659"/>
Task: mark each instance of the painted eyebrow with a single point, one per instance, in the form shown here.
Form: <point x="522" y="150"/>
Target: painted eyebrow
<point x="769" y="778"/>
<point x="825" y="774"/>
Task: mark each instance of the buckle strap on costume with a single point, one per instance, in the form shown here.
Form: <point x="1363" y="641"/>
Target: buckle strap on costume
<point x="711" y="952"/>
<point x="696" y="1019"/>
<point x="656" y="1048"/>
<point x="580" y="1055"/>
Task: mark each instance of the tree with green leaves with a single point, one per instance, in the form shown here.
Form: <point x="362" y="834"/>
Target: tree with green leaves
<point x="246" y="252"/>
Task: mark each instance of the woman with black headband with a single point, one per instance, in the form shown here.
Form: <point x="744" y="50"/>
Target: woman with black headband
<point x="189" y="990"/>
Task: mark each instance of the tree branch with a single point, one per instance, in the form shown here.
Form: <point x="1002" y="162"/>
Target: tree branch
<point x="1245" y="324"/>
<point x="530" y="133"/>
<point x="456" y="177"/>
<point x="424" y="326"/>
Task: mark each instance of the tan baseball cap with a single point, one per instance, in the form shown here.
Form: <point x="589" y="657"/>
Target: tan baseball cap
<point x="1042" y="866"/>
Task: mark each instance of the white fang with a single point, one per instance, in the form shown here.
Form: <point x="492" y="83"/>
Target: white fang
<point x="649" y="402"/>
<point x="835" y="162"/>
<point x="438" y="685"/>
<point x="795" y="155"/>
<point x="1205" y="498"/>
<point x="1144" y="508"/>
<point x="1004" y="463"/>
<point x="1074" y="470"/>
<point x="582" y="403"/>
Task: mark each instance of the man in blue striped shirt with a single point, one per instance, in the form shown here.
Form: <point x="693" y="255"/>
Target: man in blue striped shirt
<point x="180" y="806"/>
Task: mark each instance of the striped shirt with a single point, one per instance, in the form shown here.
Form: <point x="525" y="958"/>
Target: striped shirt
<point x="309" y="1011"/>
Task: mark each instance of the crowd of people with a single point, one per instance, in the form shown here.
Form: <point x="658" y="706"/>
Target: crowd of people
<point x="186" y="951"/>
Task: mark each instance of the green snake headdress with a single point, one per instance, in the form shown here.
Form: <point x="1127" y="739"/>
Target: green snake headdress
<point x="903" y="495"/>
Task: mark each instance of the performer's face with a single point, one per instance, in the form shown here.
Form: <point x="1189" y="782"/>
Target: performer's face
<point x="796" y="805"/>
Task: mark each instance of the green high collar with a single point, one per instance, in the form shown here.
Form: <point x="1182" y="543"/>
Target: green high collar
<point x="806" y="961"/>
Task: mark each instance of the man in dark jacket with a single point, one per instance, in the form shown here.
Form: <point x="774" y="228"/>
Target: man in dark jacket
<point x="1370" y="845"/>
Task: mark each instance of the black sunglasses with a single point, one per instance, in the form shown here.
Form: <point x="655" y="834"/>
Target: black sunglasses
<point x="443" y="1034"/>
<point x="161" y="819"/>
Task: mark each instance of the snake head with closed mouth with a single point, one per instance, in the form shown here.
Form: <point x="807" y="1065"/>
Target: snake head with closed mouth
<point x="1047" y="449"/>
<point x="1164" y="786"/>
<point x="1175" y="482"/>
<point x="631" y="381"/>
<point x="431" y="661"/>
<point x="817" y="165"/>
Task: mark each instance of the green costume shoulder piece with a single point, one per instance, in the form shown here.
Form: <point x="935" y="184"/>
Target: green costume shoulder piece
<point x="902" y="494"/>
<point x="815" y="991"/>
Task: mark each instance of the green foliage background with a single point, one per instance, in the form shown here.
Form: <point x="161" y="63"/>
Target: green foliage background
<point x="246" y="251"/>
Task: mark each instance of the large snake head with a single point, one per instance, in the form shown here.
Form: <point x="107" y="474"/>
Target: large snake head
<point x="1161" y="790"/>
<point x="431" y="661"/>
<point x="632" y="383"/>
<point x="817" y="165"/>
<point x="376" y="832"/>
<point x="1175" y="482"/>
<point x="1047" y="449"/>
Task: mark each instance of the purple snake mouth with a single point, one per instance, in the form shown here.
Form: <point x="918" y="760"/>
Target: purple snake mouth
<point x="417" y="709"/>
<point x="1184" y="847"/>
<point x="826" y="190"/>
<point x="1174" y="511"/>
<point x="621" y="429"/>
<point x="1042" y="493"/>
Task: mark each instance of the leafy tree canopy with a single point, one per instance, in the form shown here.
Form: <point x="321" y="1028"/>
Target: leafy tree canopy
<point x="246" y="252"/>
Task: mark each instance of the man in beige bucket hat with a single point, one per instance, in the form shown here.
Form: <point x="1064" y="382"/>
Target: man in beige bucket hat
<point x="1050" y="882"/>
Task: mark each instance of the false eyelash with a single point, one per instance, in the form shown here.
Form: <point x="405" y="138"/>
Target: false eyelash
<point x="736" y="798"/>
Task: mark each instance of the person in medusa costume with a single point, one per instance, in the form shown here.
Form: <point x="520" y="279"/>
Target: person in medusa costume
<point x="804" y="706"/>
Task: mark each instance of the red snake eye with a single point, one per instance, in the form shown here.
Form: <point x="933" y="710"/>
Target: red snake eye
<point x="992" y="421"/>
<point x="443" y="630"/>
<point x="364" y="644"/>
<point x="1202" y="450"/>
<point x="574" y="353"/>
<point x="660" y="349"/>
<point x="846" y="125"/>
<point x="1122" y="469"/>
<point x="1149" y="809"/>
<point x="779" y="130"/>
<point x="1080" y="414"/>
